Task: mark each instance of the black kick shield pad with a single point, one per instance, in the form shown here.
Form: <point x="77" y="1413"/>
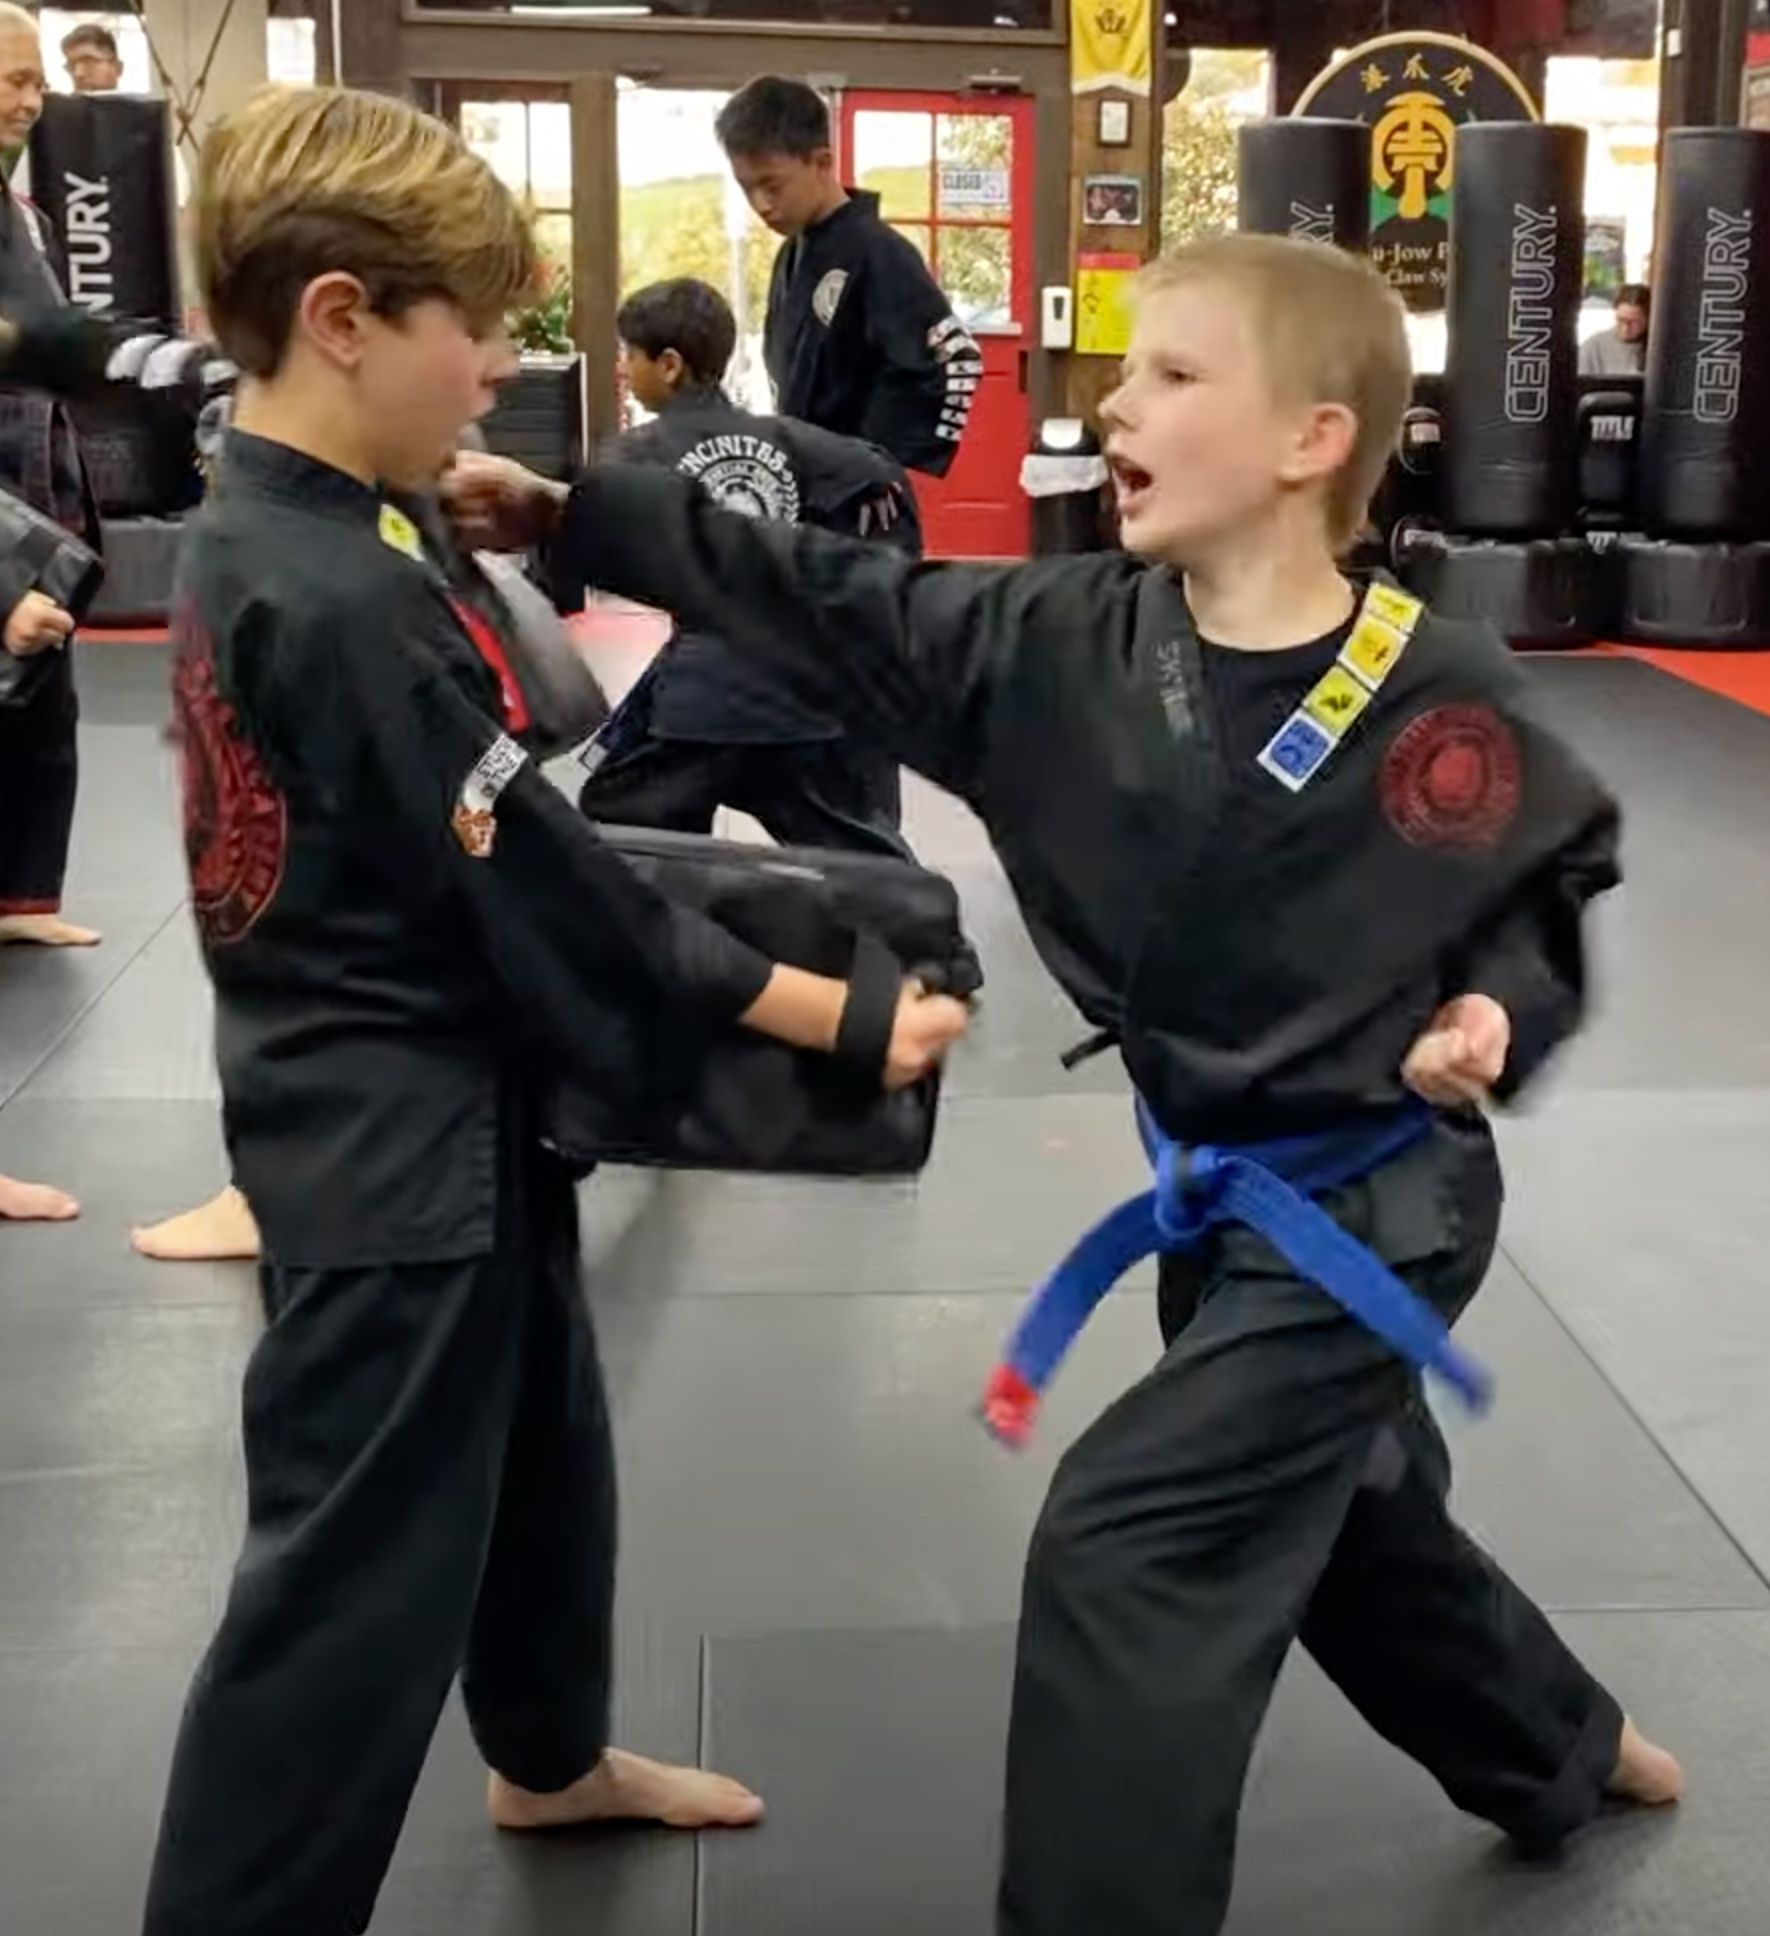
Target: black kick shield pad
<point x="750" y="1103"/>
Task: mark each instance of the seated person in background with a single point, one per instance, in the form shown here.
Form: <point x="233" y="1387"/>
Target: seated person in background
<point x="1620" y="350"/>
<point x="708" y="727"/>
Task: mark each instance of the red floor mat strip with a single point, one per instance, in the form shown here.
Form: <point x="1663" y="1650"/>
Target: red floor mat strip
<point x="1743" y="677"/>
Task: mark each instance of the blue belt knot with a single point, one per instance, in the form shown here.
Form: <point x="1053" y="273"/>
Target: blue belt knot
<point x="1270" y="1187"/>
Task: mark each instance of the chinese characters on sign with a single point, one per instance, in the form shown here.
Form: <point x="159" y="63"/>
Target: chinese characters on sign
<point x="1413" y="91"/>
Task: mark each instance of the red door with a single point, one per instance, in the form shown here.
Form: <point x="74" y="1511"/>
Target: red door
<point x="954" y="173"/>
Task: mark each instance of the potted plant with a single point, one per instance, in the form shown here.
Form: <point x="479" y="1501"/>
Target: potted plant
<point x="539" y="418"/>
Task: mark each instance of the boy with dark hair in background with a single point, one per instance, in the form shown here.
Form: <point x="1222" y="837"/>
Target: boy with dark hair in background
<point x="708" y="727"/>
<point x="859" y="339"/>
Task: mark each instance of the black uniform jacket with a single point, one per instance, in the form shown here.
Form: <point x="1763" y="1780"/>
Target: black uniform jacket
<point x="409" y="930"/>
<point x="763" y="467"/>
<point x="39" y="456"/>
<point x="860" y="340"/>
<point x="1265" y="957"/>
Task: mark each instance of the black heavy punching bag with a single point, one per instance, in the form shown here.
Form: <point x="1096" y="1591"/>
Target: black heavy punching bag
<point x="1517" y="263"/>
<point x="1306" y="178"/>
<point x="101" y="170"/>
<point x="1705" y="427"/>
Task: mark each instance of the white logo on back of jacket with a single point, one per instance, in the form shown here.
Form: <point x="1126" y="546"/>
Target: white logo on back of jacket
<point x="827" y="295"/>
<point x="745" y="474"/>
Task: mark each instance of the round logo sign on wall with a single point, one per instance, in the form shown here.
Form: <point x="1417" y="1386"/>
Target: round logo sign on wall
<point x="1413" y="91"/>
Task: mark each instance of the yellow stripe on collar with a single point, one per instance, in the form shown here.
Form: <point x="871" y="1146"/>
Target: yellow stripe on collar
<point x="1385" y="623"/>
<point x="400" y="534"/>
<point x="1305" y="743"/>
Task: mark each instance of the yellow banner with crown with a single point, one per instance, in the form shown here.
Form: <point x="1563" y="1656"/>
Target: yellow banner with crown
<point x="1109" y="45"/>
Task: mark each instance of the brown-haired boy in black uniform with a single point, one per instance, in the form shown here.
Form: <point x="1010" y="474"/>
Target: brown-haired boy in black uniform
<point x="409" y="932"/>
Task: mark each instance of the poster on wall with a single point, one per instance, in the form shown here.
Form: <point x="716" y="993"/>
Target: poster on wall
<point x="1112" y="201"/>
<point x="1104" y="309"/>
<point x="1413" y="91"/>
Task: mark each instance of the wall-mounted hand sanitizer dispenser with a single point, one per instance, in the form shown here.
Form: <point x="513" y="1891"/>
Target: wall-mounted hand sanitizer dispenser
<point x="1057" y="317"/>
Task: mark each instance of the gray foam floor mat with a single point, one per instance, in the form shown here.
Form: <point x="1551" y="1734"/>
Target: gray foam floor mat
<point x="129" y="1163"/>
<point x="855" y="1487"/>
<point x="89" y="1735"/>
<point x="1012" y="1184"/>
<point x="1679" y="947"/>
<point x="152" y="1038"/>
<point x="1647" y="1217"/>
<point x="793" y="1368"/>
<point x="880" y="1756"/>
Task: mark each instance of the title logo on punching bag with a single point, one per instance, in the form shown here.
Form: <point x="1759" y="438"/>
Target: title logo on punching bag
<point x="1413" y="91"/>
<point x="101" y="165"/>
<point x="1720" y="325"/>
<point x="91" y="281"/>
<point x="1530" y="313"/>
<point x="1310" y="224"/>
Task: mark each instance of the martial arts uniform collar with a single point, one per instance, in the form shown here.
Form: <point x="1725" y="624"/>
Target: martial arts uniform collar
<point x="261" y="465"/>
<point x="864" y="201"/>
<point x="703" y="396"/>
<point x="861" y="201"/>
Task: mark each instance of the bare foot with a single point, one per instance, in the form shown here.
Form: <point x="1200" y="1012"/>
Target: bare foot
<point x="1644" y="1773"/>
<point x="627" y="1788"/>
<point x="45" y="931"/>
<point x="35" y="1202"/>
<point x="221" y="1229"/>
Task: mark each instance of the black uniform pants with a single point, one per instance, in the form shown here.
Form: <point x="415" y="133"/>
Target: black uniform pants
<point x="39" y="776"/>
<point x="1276" y="1477"/>
<point x="431" y="1493"/>
<point x="812" y="793"/>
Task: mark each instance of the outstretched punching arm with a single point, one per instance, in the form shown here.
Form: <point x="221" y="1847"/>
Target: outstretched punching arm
<point x="913" y="657"/>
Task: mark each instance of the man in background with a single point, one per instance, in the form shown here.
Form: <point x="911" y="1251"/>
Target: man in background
<point x="39" y="462"/>
<point x="94" y="65"/>
<point x="1622" y="349"/>
<point x="860" y="340"/>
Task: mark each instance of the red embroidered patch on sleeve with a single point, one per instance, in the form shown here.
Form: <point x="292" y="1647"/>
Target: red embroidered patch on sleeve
<point x="1452" y="778"/>
<point x="236" y="823"/>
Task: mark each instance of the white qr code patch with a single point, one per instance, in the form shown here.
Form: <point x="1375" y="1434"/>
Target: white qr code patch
<point x="475" y="820"/>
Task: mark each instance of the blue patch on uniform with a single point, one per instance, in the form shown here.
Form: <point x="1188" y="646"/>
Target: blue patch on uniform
<point x="1296" y="750"/>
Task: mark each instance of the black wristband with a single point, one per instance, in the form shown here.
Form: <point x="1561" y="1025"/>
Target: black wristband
<point x="875" y="986"/>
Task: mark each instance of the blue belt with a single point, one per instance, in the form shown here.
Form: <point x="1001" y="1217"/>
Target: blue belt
<point x="1268" y="1187"/>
